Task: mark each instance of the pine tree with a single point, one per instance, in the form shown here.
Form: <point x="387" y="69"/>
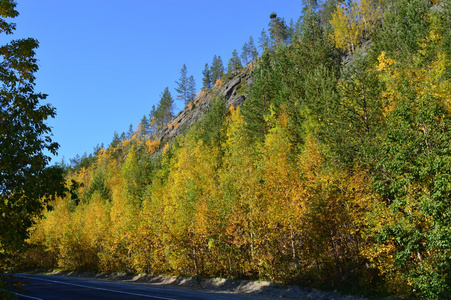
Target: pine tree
<point x="165" y="109"/>
<point x="217" y="69"/>
<point x="264" y="41"/>
<point x="206" y="80"/>
<point x="278" y="30"/>
<point x="249" y="51"/>
<point x="153" y="128"/>
<point x="191" y="90"/>
<point x="183" y="86"/>
<point x="143" y="128"/>
<point x="234" y="63"/>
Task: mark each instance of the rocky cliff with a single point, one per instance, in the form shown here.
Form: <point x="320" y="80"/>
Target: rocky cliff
<point x="232" y="90"/>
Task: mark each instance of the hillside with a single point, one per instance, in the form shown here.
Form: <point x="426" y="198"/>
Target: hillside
<point x="230" y="92"/>
<point x="325" y="163"/>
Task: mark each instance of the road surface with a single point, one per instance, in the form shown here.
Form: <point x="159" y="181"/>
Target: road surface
<point x="51" y="287"/>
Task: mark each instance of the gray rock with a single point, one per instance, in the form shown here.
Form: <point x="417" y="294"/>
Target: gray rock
<point x="232" y="93"/>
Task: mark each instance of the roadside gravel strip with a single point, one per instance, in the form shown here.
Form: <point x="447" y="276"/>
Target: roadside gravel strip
<point x="244" y="289"/>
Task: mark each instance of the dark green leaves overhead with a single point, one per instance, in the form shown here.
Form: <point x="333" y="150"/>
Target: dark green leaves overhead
<point x="26" y="183"/>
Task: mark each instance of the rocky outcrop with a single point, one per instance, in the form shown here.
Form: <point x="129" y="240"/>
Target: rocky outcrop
<point x="232" y="91"/>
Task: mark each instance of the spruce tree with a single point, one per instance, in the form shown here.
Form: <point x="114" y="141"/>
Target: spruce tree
<point x="206" y="80"/>
<point x="264" y="41"/>
<point x="278" y="30"/>
<point x="165" y="109"/>
<point x="191" y="90"/>
<point x="249" y="51"/>
<point x="153" y="128"/>
<point x="183" y="85"/>
<point x="217" y="69"/>
<point x="234" y="63"/>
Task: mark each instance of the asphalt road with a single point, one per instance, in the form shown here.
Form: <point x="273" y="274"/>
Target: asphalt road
<point x="51" y="287"/>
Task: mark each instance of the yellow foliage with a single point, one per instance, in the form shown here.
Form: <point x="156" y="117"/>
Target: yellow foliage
<point x="426" y="79"/>
<point x="166" y="147"/>
<point x="354" y="23"/>
<point x="152" y="146"/>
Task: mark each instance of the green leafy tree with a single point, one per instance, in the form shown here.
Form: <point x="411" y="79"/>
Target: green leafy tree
<point x="26" y="183"/>
<point x="411" y="171"/>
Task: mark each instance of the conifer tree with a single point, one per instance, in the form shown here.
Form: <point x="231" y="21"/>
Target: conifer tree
<point x="144" y="127"/>
<point x="182" y="88"/>
<point x="153" y="128"/>
<point x="191" y="90"/>
<point x="249" y="51"/>
<point x="264" y="41"/>
<point x="206" y="80"/>
<point x="217" y="69"/>
<point x="165" y="109"/>
<point x="234" y="62"/>
<point x="278" y="30"/>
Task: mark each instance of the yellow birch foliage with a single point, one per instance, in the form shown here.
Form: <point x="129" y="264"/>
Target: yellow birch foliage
<point x="281" y="205"/>
<point x="354" y="24"/>
<point x="147" y="244"/>
<point x="190" y="191"/>
<point x="239" y="188"/>
<point x="335" y="202"/>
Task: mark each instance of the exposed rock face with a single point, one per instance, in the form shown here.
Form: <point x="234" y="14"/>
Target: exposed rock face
<point x="231" y="91"/>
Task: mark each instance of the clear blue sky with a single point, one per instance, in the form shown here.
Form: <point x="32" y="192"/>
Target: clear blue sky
<point x="104" y="63"/>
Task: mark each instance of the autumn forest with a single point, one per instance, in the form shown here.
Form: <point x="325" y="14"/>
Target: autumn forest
<point x="335" y="172"/>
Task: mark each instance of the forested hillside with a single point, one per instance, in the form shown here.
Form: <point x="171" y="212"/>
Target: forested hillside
<point x="334" y="172"/>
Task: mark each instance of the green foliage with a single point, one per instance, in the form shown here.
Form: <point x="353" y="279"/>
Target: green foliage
<point x="212" y="124"/>
<point x="249" y="51"/>
<point x="164" y="113"/>
<point x="26" y="183"/>
<point x="186" y="87"/>
<point x="98" y="185"/>
<point x="234" y="63"/>
<point x="349" y="110"/>
<point x="264" y="41"/>
<point x="191" y="89"/>
<point x="217" y="69"/>
<point x="405" y="24"/>
<point x="278" y="30"/>
<point x="207" y="80"/>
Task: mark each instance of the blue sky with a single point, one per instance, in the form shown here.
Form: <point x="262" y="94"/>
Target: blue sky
<point x="104" y="63"/>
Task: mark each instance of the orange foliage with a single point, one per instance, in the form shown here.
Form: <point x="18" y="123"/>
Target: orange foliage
<point x="152" y="146"/>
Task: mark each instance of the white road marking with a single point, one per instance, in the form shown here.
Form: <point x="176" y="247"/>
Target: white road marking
<point x="17" y="294"/>
<point x="28" y="297"/>
<point x="96" y="288"/>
